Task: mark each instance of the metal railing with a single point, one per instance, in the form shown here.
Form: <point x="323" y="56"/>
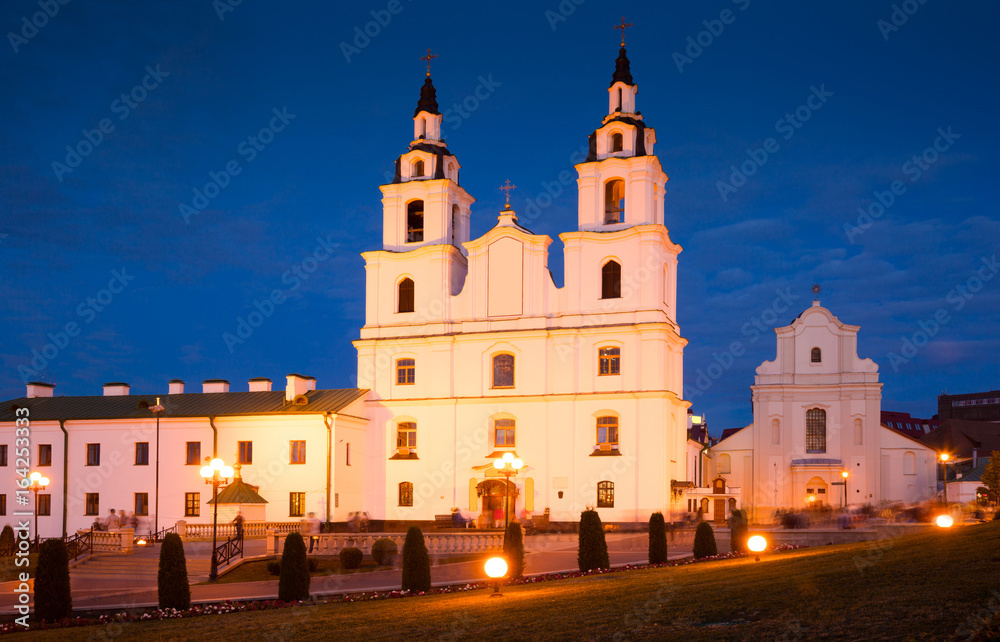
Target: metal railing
<point x="80" y="543"/>
<point x="229" y="549"/>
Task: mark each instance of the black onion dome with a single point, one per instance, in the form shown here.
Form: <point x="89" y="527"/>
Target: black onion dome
<point x="428" y="99"/>
<point x="622" y="72"/>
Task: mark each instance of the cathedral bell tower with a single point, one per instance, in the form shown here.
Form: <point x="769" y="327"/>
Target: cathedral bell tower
<point x="621" y="183"/>
<point x="424" y="204"/>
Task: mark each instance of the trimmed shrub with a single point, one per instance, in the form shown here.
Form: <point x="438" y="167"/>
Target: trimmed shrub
<point x="274" y="568"/>
<point x="738" y="531"/>
<point x="172" y="578"/>
<point x="7" y="538"/>
<point x="592" y="550"/>
<point x="53" y="600"/>
<point x="657" y="539"/>
<point x="704" y="541"/>
<point x="384" y="551"/>
<point x="416" y="562"/>
<point x="350" y="558"/>
<point x="293" y="582"/>
<point x="313" y="564"/>
<point x="513" y="550"/>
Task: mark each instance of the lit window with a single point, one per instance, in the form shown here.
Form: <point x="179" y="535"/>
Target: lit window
<point x="406" y="435"/>
<point x="503" y="432"/>
<point x="405" y="296"/>
<point x="816" y="430"/>
<point x="245" y="453"/>
<point x="406" y="372"/>
<point x="605" y="494"/>
<point x="296" y="504"/>
<point x="503" y="371"/>
<point x="607" y="430"/>
<point x="609" y="359"/>
<point x="614" y="201"/>
<point x="192" y="504"/>
<point x="611" y="280"/>
<point x="298" y="452"/>
<point x="405" y="494"/>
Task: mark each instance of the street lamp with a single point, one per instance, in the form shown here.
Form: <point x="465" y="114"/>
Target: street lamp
<point x="157" y="410"/>
<point x="496" y="567"/>
<point x="38" y="482"/>
<point x="507" y="465"/>
<point x="944" y="457"/>
<point x="215" y="473"/>
<point x="845" y="475"/>
<point x="757" y="544"/>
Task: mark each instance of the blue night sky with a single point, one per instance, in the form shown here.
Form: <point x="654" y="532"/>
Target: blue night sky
<point x="99" y="240"/>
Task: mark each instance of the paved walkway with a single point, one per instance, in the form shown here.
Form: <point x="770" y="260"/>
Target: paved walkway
<point x="543" y="554"/>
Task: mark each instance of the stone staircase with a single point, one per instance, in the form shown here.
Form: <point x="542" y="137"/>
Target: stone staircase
<point x="131" y="570"/>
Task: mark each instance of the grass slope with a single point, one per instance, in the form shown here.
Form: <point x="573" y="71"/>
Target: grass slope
<point x="913" y="586"/>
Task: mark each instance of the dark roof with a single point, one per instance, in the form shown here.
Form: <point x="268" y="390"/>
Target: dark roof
<point x="428" y="98"/>
<point x="729" y="432"/>
<point x="183" y="405"/>
<point x="959" y="437"/>
<point x="622" y="72"/>
<point x="239" y="492"/>
<point x="974" y="475"/>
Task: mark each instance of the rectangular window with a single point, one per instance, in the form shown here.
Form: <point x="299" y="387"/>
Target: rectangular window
<point x="503" y="371"/>
<point x="44" y="454"/>
<point x="406" y="434"/>
<point x="605" y="494"/>
<point x="3" y="455"/>
<point x="3" y="504"/>
<point x="193" y="453"/>
<point x="609" y="361"/>
<point x="92" y="502"/>
<point x="192" y="504"/>
<point x="607" y="430"/>
<point x="816" y="430"/>
<point x="298" y="450"/>
<point x="406" y="372"/>
<point x="93" y="454"/>
<point x="44" y="504"/>
<point x="142" y="453"/>
<point x="245" y="455"/>
<point x="503" y="430"/>
<point x="348" y="458"/>
<point x="406" y="494"/>
<point x="142" y="504"/>
<point x="296" y="504"/>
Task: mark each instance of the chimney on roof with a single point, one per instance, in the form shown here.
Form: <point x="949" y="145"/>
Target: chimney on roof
<point x="215" y="385"/>
<point x="298" y="385"/>
<point x="116" y="389"/>
<point x="176" y="387"/>
<point x="260" y="384"/>
<point x="40" y="389"/>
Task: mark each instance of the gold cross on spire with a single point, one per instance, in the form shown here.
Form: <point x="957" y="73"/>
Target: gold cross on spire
<point x="506" y="189"/>
<point x="623" y="26"/>
<point x="429" y="57"/>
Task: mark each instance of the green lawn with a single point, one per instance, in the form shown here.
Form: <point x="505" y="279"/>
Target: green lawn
<point x="915" y="586"/>
<point x="9" y="571"/>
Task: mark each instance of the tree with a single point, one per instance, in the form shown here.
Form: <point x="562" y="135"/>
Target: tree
<point x="7" y="539"/>
<point x="704" y="541"/>
<point x="738" y="531"/>
<point x="991" y="476"/>
<point x="592" y="550"/>
<point x="293" y="582"/>
<point x="513" y="550"/>
<point x="53" y="600"/>
<point x="657" y="539"/>
<point x="172" y="578"/>
<point x="416" y="562"/>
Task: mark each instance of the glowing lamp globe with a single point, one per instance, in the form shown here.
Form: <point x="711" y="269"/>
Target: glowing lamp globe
<point x="757" y="543"/>
<point x="496" y="567"/>
<point x="227" y="472"/>
<point x="498" y="464"/>
<point x="35" y="476"/>
<point x="944" y="521"/>
<point x="206" y="471"/>
<point x="507" y="457"/>
<point x="44" y="481"/>
<point x="217" y="464"/>
<point x="516" y="464"/>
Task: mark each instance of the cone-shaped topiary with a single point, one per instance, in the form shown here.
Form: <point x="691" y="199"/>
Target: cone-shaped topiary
<point x="592" y="550"/>
<point x="704" y="541"/>
<point x="738" y="531"/>
<point x="513" y="550"/>
<point x="7" y="539"/>
<point x="657" y="539"/>
<point x="172" y="578"/>
<point x="293" y="582"/>
<point x="53" y="600"/>
<point x="384" y="551"/>
<point x="416" y="562"/>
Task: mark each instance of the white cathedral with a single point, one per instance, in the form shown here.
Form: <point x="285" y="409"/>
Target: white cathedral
<point x="470" y="351"/>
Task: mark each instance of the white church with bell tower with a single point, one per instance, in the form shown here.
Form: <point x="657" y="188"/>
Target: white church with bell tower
<point x="472" y="351"/>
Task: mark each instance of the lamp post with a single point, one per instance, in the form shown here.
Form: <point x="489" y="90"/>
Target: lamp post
<point x="944" y="457"/>
<point x="38" y="482"/>
<point x="157" y="410"/>
<point x="215" y="473"/>
<point x="507" y="465"/>
<point x="845" y="475"/>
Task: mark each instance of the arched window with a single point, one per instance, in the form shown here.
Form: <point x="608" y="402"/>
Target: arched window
<point x="503" y="433"/>
<point x="606" y="494"/>
<point x="405" y="298"/>
<point x="725" y="465"/>
<point x="503" y="371"/>
<point x="614" y="201"/>
<point x="611" y="280"/>
<point x="859" y="433"/>
<point x="816" y="430"/>
<point x="454" y="224"/>
<point x="909" y="463"/>
<point x="415" y="221"/>
<point x="406" y="435"/>
<point x="609" y="361"/>
<point x="406" y="493"/>
<point x="616" y="142"/>
<point x="817" y="355"/>
<point x="619" y="99"/>
<point x="418" y="168"/>
<point x="607" y="431"/>
<point x="406" y="372"/>
<point x="775" y="432"/>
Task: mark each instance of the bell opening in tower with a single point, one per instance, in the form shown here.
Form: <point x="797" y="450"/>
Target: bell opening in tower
<point x="415" y="222"/>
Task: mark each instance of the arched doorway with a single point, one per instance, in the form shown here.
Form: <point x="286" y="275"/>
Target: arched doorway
<point x="494" y="495"/>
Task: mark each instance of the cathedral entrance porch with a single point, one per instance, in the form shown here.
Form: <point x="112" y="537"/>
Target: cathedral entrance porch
<point x="495" y="496"/>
